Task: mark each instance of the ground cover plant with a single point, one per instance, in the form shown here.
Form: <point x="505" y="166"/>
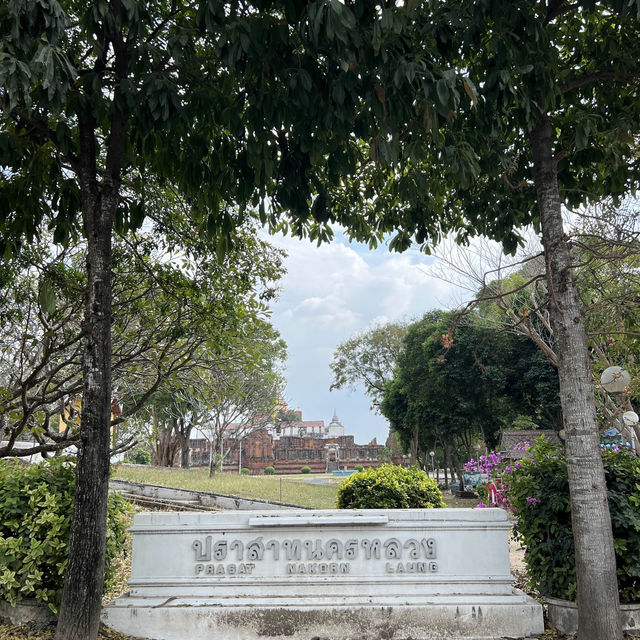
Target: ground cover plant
<point x="389" y="487"/>
<point x="289" y="489"/>
<point x="35" y="516"/>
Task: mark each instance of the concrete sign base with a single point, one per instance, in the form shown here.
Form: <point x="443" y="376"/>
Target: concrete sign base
<point x="416" y="573"/>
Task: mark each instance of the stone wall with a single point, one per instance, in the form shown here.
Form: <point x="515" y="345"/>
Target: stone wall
<point x="289" y="454"/>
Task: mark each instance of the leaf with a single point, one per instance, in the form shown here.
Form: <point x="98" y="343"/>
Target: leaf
<point x="470" y="90"/>
<point x="582" y="134"/>
<point x="443" y="92"/>
<point x="47" y="297"/>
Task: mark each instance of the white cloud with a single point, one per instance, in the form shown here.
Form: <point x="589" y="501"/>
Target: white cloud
<point x="328" y="294"/>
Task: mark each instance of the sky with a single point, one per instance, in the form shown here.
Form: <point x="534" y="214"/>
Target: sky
<point x="328" y="294"/>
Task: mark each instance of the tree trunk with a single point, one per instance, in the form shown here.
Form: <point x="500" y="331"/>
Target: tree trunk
<point x="213" y="461"/>
<point x="184" y="437"/>
<point x="413" y="452"/>
<point x="80" y="607"/>
<point x="184" y="453"/>
<point x="446" y="463"/>
<point x="455" y="462"/>
<point x="598" y="603"/>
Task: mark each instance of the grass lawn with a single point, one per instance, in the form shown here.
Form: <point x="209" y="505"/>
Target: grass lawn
<point x="291" y="489"/>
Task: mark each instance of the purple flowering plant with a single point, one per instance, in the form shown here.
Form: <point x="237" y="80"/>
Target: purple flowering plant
<point x="498" y="470"/>
<point x="538" y="494"/>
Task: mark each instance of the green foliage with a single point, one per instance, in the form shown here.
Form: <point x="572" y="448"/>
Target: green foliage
<point x="389" y="487"/>
<point x="457" y="386"/>
<point x="269" y="471"/>
<point x="139" y="456"/>
<point x="368" y="359"/>
<point x="358" y="467"/>
<point x="245" y="472"/>
<point x="524" y="423"/>
<point x="166" y="315"/>
<point x="35" y="515"/>
<point x="538" y="492"/>
<point x="305" y="469"/>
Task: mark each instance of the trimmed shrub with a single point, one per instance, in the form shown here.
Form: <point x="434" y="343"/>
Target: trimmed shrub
<point x="389" y="487"/>
<point x="245" y="472"/>
<point x="305" y="469"/>
<point x="269" y="471"/>
<point x="140" y="456"/>
<point x="35" y="516"/>
<point x="538" y="492"/>
<point x="359" y="467"/>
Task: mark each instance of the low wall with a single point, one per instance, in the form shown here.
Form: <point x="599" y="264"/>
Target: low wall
<point x="26" y="612"/>
<point x="233" y="503"/>
<point x="563" y="615"/>
<point x="419" y="573"/>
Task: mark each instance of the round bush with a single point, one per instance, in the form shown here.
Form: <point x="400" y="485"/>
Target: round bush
<point x="142" y="456"/>
<point x="358" y="467"/>
<point x="305" y="469"/>
<point x="389" y="487"/>
<point x="139" y="456"/>
<point x="35" y="516"/>
<point x="269" y="471"/>
<point x="538" y="492"/>
<point x="245" y="472"/>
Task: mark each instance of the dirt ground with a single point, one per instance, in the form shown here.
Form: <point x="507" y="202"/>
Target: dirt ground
<point x="516" y="556"/>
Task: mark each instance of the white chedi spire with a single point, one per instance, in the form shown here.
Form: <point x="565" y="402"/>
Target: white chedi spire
<point x="335" y="427"/>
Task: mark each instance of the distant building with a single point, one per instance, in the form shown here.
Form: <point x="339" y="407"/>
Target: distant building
<point x="297" y="444"/>
<point x="310" y="429"/>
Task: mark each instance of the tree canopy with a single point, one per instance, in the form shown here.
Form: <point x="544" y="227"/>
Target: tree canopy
<point x="454" y="390"/>
<point x="173" y="319"/>
<point x="534" y="110"/>
<point x="368" y="359"/>
<point x="512" y="295"/>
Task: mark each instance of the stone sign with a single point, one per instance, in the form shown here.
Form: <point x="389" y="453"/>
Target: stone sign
<point x="419" y="573"/>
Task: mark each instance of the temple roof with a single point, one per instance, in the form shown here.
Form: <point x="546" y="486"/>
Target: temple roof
<point x="512" y="437"/>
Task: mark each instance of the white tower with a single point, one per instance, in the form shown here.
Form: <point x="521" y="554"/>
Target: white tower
<point x="334" y="428"/>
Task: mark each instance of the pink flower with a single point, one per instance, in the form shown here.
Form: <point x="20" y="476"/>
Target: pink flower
<point x="533" y="501"/>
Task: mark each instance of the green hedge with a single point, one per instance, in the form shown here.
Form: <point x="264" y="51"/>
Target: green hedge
<point x="389" y="487"/>
<point x="538" y="492"/>
<point x="269" y="471"/>
<point x="305" y="469"/>
<point x="35" y="516"/>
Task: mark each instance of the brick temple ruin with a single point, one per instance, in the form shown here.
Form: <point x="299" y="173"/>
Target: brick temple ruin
<point x="322" y="448"/>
